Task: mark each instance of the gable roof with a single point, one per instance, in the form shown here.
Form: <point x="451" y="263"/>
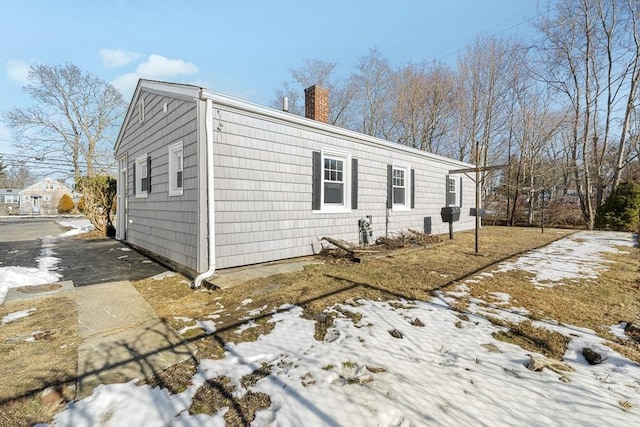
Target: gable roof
<point x="194" y="93"/>
<point x="38" y="184"/>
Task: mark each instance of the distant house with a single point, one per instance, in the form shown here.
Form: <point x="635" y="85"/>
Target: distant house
<point x="208" y="181"/>
<point x="9" y="201"/>
<point x="42" y="197"/>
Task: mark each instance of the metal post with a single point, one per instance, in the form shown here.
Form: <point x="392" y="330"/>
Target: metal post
<point x="542" y="219"/>
<point x="477" y="191"/>
<point x="450" y="230"/>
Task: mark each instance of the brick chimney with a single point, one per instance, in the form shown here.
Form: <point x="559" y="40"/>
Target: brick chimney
<point x="316" y="103"/>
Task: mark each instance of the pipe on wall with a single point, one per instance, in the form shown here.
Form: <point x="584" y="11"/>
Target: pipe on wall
<point x="211" y="224"/>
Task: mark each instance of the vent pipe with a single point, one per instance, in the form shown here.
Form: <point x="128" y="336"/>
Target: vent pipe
<point x="285" y="104"/>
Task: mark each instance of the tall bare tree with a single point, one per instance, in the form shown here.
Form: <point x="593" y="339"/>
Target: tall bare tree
<point x="590" y="58"/>
<point x="373" y="82"/>
<point x="423" y="106"/>
<point x="74" y="113"/>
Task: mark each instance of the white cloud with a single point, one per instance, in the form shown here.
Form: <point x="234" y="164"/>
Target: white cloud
<point x="18" y="71"/>
<point x="112" y="58"/>
<point x="156" y="67"/>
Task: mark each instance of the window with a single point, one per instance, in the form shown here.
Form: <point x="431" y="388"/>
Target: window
<point x="175" y="169"/>
<point x="400" y="191"/>
<point x="454" y="191"/>
<point x="335" y="186"/>
<point x="142" y="173"/>
<point x="333" y="181"/>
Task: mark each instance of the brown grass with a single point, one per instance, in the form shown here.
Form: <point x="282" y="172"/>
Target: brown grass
<point x="595" y="304"/>
<point x="527" y="336"/>
<point x="409" y="274"/>
<point x="406" y="273"/>
<point x="27" y="368"/>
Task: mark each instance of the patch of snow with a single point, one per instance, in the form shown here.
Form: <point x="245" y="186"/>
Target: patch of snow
<point x="13" y="277"/>
<point x="578" y="256"/>
<point x="246" y="301"/>
<point x="163" y="275"/>
<point x="501" y="297"/>
<point x="12" y="317"/>
<point x="125" y="249"/>
<point x="618" y="330"/>
<point x="255" y="312"/>
<point x="79" y="226"/>
<point x="248" y="325"/>
<point x="208" y="326"/>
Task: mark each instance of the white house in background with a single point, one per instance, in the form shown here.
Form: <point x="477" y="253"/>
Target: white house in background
<point x="42" y="197"/>
<point x="208" y="181"/>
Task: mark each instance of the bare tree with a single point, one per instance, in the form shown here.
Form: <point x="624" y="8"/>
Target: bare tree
<point x="373" y="82"/>
<point x="485" y="71"/>
<point x="423" y="106"/>
<point x="590" y="57"/>
<point x="16" y="176"/>
<point x="73" y="115"/>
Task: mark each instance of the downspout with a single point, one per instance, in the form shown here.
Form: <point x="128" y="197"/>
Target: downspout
<point x="211" y="224"/>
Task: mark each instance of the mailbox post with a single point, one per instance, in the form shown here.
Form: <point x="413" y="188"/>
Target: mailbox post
<point x="450" y="214"/>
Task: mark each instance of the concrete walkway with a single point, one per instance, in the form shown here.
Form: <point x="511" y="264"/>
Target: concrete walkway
<point x="122" y="337"/>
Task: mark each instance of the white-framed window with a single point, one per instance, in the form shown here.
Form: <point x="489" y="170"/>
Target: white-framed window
<point x="401" y="183"/>
<point x="453" y="191"/>
<point x="334" y="176"/>
<point x="176" y="162"/>
<point x="142" y="176"/>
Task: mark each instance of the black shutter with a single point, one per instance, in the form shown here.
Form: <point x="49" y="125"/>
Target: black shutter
<point x="354" y="183"/>
<point x="135" y="166"/>
<point x="460" y="195"/>
<point x="389" y="186"/>
<point x="148" y="174"/>
<point x="316" y="190"/>
<point x="413" y="188"/>
<point x="446" y="190"/>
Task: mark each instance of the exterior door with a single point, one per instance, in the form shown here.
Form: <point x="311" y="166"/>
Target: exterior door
<point x="122" y="199"/>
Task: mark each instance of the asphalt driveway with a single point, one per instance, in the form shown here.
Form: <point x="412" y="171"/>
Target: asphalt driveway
<point x="83" y="261"/>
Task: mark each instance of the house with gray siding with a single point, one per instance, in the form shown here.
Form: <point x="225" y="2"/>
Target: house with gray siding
<point x="207" y="181"/>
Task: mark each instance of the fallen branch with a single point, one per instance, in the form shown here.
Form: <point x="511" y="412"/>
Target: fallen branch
<point x="339" y="244"/>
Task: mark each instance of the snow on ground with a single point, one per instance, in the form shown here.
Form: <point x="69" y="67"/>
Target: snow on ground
<point x="78" y="226"/>
<point x="575" y="257"/>
<point x="449" y="372"/>
<point x="16" y="276"/>
<point x="16" y="315"/>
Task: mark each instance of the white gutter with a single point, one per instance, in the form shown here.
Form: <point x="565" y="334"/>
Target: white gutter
<point x="208" y="125"/>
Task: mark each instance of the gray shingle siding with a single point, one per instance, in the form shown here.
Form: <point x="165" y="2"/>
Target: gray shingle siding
<point x="263" y="168"/>
<point x="162" y="224"/>
<point x="263" y="186"/>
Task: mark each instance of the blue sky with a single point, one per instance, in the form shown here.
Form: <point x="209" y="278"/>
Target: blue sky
<point x="240" y="48"/>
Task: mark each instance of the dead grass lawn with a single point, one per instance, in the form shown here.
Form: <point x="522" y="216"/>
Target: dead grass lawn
<point x="28" y="367"/>
<point x="403" y="274"/>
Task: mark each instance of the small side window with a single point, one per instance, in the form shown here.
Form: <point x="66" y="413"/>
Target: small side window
<point x="176" y="164"/>
<point x="142" y="180"/>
